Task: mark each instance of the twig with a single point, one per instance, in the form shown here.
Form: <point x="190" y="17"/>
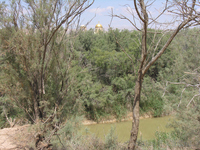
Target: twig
<point x="10" y="121"/>
<point x="181" y="96"/>
<point x="193" y="99"/>
<point x="61" y="141"/>
<point x="51" y="116"/>
<point x="165" y="89"/>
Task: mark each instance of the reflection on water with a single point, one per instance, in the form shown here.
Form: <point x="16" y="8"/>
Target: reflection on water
<point x="147" y="128"/>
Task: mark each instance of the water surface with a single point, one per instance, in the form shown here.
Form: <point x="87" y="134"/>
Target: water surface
<point x="147" y="128"/>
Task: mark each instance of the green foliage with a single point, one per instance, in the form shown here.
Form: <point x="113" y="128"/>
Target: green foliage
<point x="184" y="87"/>
<point x="71" y="127"/>
<point x="86" y="41"/>
<point x="109" y="65"/>
<point x="46" y="73"/>
<point x="161" y="138"/>
<point x="154" y="104"/>
<point x="88" y="73"/>
<point x="162" y="141"/>
<point x="37" y="59"/>
<point x="111" y="140"/>
<point x="99" y="78"/>
<point x="109" y="85"/>
<point x="151" y="99"/>
<point x="2" y="119"/>
<point x="186" y="126"/>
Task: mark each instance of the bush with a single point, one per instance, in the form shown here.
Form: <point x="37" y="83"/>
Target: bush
<point x="153" y="103"/>
<point x="162" y="141"/>
<point x="151" y="99"/>
<point x="187" y="126"/>
<point x="111" y="140"/>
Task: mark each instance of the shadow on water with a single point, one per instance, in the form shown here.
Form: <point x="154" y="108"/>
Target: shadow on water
<point x="147" y="128"/>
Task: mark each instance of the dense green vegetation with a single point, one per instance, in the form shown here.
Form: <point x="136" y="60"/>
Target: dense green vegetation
<point x="111" y="73"/>
<point x="51" y="77"/>
<point x="102" y="78"/>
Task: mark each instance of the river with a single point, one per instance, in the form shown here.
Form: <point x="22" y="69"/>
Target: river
<point x="147" y="128"/>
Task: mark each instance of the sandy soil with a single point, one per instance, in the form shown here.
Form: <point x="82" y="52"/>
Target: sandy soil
<point x="16" y="138"/>
<point x="127" y="118"/>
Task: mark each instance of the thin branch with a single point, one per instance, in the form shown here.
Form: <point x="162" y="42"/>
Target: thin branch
<point x="165" y="46"/>
<point x="123" y="17"/>
<point x="61" y="141"/>
<point x="68" y="15"/>
<point x="136" y="8"/>
<point x="193" y="99"/>
<point x="153" y="20"/>
<point x="181" y="96"/>
<point x="10" y="121"/>
<point x="165" y="89"/>
<point x="51" y="116"/>
<point x="158" y="44"/>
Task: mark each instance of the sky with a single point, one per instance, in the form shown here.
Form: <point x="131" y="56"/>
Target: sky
<point x="101" y="9"/>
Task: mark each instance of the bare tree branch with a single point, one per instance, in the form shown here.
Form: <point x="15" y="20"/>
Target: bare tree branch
<point x="138" y="13"/>
<point x="166" y="45"/>
<point x="192" y="100"/>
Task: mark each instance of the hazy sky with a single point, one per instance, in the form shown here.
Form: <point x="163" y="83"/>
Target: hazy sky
<point x="102" y="9"/>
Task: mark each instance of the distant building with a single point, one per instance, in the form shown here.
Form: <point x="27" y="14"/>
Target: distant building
<point x="83" y="28"/>
<point x="98" y="28"/>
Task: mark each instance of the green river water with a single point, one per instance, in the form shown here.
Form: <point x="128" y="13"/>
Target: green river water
<point x="147" y="128"/>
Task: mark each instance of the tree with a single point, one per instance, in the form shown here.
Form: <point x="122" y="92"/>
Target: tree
<point x="35" y="50"/>
<point x="187" y="13"/>
<point x="37" y="55"/>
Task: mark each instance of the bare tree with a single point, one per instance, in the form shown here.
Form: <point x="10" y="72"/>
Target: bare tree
<point x="187" y="15"/>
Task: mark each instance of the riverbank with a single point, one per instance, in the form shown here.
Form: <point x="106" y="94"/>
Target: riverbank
<point x="128" y="117"/>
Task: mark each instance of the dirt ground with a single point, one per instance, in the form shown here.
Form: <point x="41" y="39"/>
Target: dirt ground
<point x="16" y="138"/>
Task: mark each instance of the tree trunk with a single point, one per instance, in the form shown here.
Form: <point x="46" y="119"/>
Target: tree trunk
<point x="36" y="111"/>
<point x="136" y="113"/>
<point x="138" y="86"/>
